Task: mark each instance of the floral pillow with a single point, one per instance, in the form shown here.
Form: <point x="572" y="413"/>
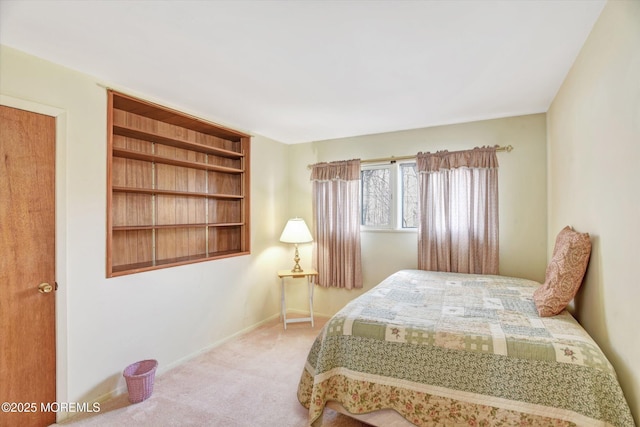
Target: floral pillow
<point x="564" y="273"/>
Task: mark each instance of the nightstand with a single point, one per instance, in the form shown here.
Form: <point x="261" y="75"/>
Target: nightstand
<point x="283" y="274"/>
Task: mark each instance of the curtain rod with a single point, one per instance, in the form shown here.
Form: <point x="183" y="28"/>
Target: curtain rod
<point x="499" y="148"/>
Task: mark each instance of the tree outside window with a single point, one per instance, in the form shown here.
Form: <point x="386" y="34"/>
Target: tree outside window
<point x="389" y="196"/>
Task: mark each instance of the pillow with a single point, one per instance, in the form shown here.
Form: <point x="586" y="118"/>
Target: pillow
<point x="564" y="273"/>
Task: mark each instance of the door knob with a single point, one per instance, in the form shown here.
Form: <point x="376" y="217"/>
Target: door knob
<point x="45" y="288"/>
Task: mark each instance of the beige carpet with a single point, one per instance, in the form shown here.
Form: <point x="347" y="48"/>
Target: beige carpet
<point x="250" y="381"/>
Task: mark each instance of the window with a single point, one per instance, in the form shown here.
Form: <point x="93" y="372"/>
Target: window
<point x="409" y="194"/>
<point x="389" y="196"/>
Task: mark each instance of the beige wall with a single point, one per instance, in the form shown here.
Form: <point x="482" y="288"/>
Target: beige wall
<point x="594" y="156"/>
<point x="171" y="314"/>
<point x="522" y="187"/>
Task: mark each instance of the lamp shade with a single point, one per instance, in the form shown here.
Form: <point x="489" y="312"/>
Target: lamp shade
<point x="296" y="231"/>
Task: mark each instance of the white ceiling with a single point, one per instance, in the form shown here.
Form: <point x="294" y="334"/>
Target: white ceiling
<point x="299" y="71"/>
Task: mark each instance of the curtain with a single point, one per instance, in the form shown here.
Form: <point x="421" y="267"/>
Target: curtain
<point x="336" y="219"/>
<point x="458" y="208"/>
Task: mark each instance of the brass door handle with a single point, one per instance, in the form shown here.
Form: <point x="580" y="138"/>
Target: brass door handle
<point x="45" y="288"/>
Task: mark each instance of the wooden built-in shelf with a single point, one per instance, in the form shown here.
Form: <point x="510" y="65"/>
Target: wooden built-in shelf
<point x="169" y="226"/>
<point x="136" y="155"/>
<point x="178" y="188"/>
<point x="169" y="262"/>
<point x="175" y="193"/>
<point x="173" y="142"/>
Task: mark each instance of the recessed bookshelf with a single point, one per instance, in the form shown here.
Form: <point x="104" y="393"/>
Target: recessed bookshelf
<point x="178" y="188"/>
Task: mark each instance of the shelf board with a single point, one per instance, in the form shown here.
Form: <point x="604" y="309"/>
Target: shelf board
<point x="146" y="157"/>
<point x="175" y="226"/>
<point x="167" y="115"/>
<point x="121" y="270"/>
<point x="176" y="193"/>
<point x="132" y="132"/>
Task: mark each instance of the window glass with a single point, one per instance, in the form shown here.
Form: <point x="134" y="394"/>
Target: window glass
<point x="377" y="197"/>
<point x="389" y="196"/>
<point x="409" y="189"/>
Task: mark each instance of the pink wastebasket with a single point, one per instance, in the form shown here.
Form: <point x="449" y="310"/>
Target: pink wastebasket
<point x="140" y="377"/>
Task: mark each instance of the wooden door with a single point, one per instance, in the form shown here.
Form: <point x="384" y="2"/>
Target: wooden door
<point x="27" y="260"/>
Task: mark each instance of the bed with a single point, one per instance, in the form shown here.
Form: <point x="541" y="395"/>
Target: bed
<point x="459" y="349"/>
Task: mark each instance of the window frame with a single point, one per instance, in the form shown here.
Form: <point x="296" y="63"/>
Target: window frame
<point x="396" y="185"/>
<point x="392" y="185"/>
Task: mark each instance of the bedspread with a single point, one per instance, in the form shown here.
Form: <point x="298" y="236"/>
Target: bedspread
<point x="459" y="349"/>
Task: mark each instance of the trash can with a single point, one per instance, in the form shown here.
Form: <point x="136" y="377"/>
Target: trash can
<point x="139" y="377"/>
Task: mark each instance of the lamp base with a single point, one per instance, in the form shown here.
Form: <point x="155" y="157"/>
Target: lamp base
<point x="296" y="268"/>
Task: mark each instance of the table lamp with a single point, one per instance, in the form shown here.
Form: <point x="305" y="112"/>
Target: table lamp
<point x="296" y="231"/>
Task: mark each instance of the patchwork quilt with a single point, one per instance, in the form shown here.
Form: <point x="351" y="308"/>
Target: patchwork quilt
<point x="460" y="349"/>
